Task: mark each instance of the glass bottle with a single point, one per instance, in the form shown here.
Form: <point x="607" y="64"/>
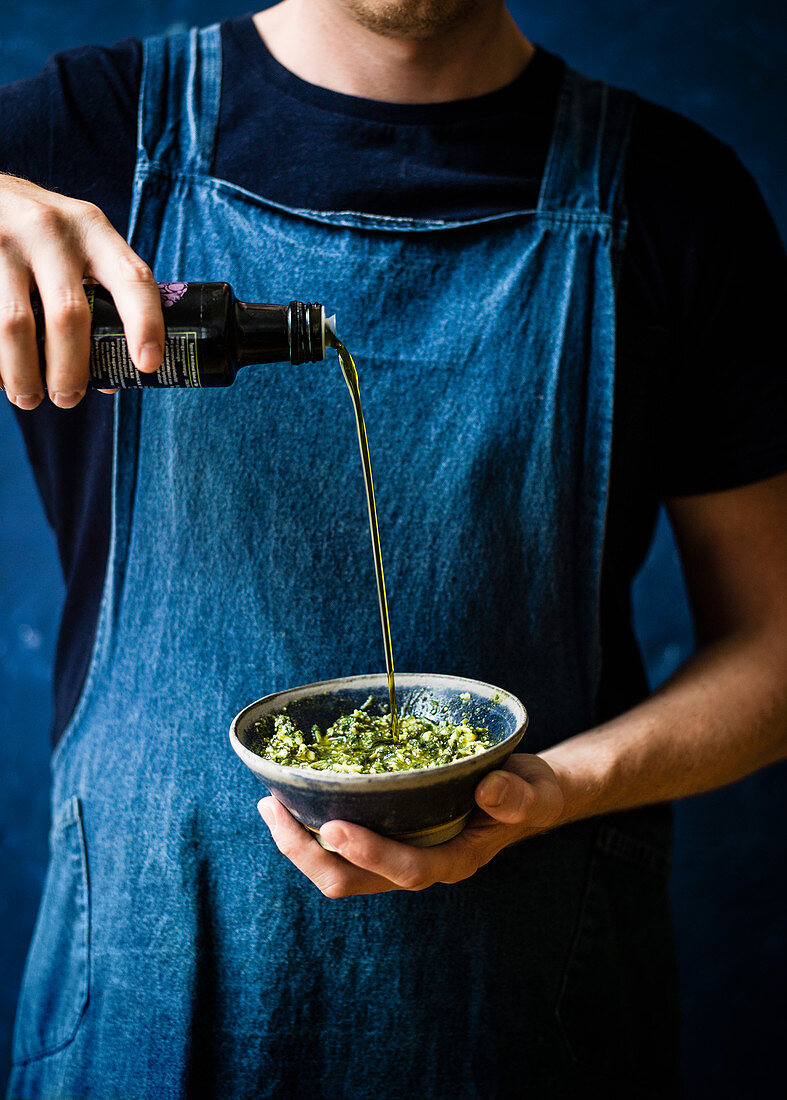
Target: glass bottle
<point x="210" y="336"/>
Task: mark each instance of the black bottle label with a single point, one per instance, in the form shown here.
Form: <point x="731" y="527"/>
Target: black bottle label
<point x="111" y="365"/>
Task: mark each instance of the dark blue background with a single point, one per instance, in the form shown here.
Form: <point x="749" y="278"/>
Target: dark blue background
<point x="722" y="63"/>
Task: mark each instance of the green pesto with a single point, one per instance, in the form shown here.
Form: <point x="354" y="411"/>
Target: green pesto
<point x="363" y="743"/>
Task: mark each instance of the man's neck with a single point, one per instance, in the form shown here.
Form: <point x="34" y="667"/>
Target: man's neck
<point x="322" y="42"/>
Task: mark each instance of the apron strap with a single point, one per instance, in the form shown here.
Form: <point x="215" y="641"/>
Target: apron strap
<point x="179" y="100"/>
<point x="589" y="143"/>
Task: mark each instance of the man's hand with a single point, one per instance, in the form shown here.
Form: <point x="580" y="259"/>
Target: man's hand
<point x="54" y="242"/>
<point x="519" y="801"/>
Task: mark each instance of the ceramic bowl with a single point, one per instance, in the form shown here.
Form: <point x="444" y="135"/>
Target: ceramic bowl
<point x="420" y="807"/>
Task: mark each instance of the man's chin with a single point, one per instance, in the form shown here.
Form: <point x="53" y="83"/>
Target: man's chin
<point x="418" y="19"/>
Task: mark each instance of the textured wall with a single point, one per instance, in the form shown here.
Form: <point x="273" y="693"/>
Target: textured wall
<point x="722" y="63"/>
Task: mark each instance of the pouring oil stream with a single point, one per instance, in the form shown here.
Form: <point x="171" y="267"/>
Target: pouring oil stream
<point x="350" y="375"/>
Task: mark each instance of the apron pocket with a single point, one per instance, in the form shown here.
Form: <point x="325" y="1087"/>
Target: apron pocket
<point x="55" y="982"/>
<point x="618" y="1003"/>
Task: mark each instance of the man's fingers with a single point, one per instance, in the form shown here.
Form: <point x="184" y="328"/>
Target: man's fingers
<point x="402" y="865"/>
<point x="20" y="372"/>
<point x="332" y="875"/>
<point x="135" y="292"/>
<point x="58" y="276"/>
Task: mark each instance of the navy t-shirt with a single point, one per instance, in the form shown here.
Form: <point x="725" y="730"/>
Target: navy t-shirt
<point x="700" y="396"/>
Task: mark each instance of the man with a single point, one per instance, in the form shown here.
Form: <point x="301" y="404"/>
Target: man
<point x="557" y="324"/>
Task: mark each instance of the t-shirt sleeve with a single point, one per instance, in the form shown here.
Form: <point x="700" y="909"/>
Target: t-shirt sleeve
<point x="72" y="127"/>
<point x="721" y="401"/>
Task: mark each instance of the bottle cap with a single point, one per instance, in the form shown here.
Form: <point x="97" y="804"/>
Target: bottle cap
<point x="307" y="331"/>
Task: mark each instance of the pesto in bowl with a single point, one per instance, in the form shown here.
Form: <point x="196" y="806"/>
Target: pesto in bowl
<point x="363" y="743"/>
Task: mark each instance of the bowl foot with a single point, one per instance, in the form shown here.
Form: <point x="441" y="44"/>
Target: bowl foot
<point x="419" y="838"/>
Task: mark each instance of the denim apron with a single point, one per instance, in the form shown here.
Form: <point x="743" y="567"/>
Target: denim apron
<point x="177" y="953"/>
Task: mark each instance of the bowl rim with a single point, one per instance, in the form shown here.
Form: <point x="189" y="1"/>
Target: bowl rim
<point x="304" y="776"/>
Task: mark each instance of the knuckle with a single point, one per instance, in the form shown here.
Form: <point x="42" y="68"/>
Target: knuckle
<point x="472" y="857"/>
<point x="414" y="879"/>
<point x="523" y="801"/>
<point x="134" y="270"/>
<point x="357" y="852"/>
<point x="460" y="874"/>
<point x="456" y="876"/>
<point x="69" y="311"/>
<point x="9" y="242"/>
<point x="287" y="848"/>
<point x="93" y="217"/>
<point x="467" y="870"/>
<point x="46" y="220"/>
<point x="15" y="318"/>
<point x="331" y="889"/>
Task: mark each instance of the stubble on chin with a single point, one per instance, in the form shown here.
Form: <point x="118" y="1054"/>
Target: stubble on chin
<point x="419" y="19"/>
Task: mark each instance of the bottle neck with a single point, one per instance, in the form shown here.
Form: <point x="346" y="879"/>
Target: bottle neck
<point x="294" y="333"/>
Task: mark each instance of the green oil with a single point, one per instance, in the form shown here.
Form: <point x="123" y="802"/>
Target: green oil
<point x="350" y="375"/>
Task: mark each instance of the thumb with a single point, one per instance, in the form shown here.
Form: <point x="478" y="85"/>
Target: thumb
<point x="506" y="797"/>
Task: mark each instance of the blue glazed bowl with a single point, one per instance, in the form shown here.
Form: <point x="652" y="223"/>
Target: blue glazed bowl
<point x="421" y="807"/>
